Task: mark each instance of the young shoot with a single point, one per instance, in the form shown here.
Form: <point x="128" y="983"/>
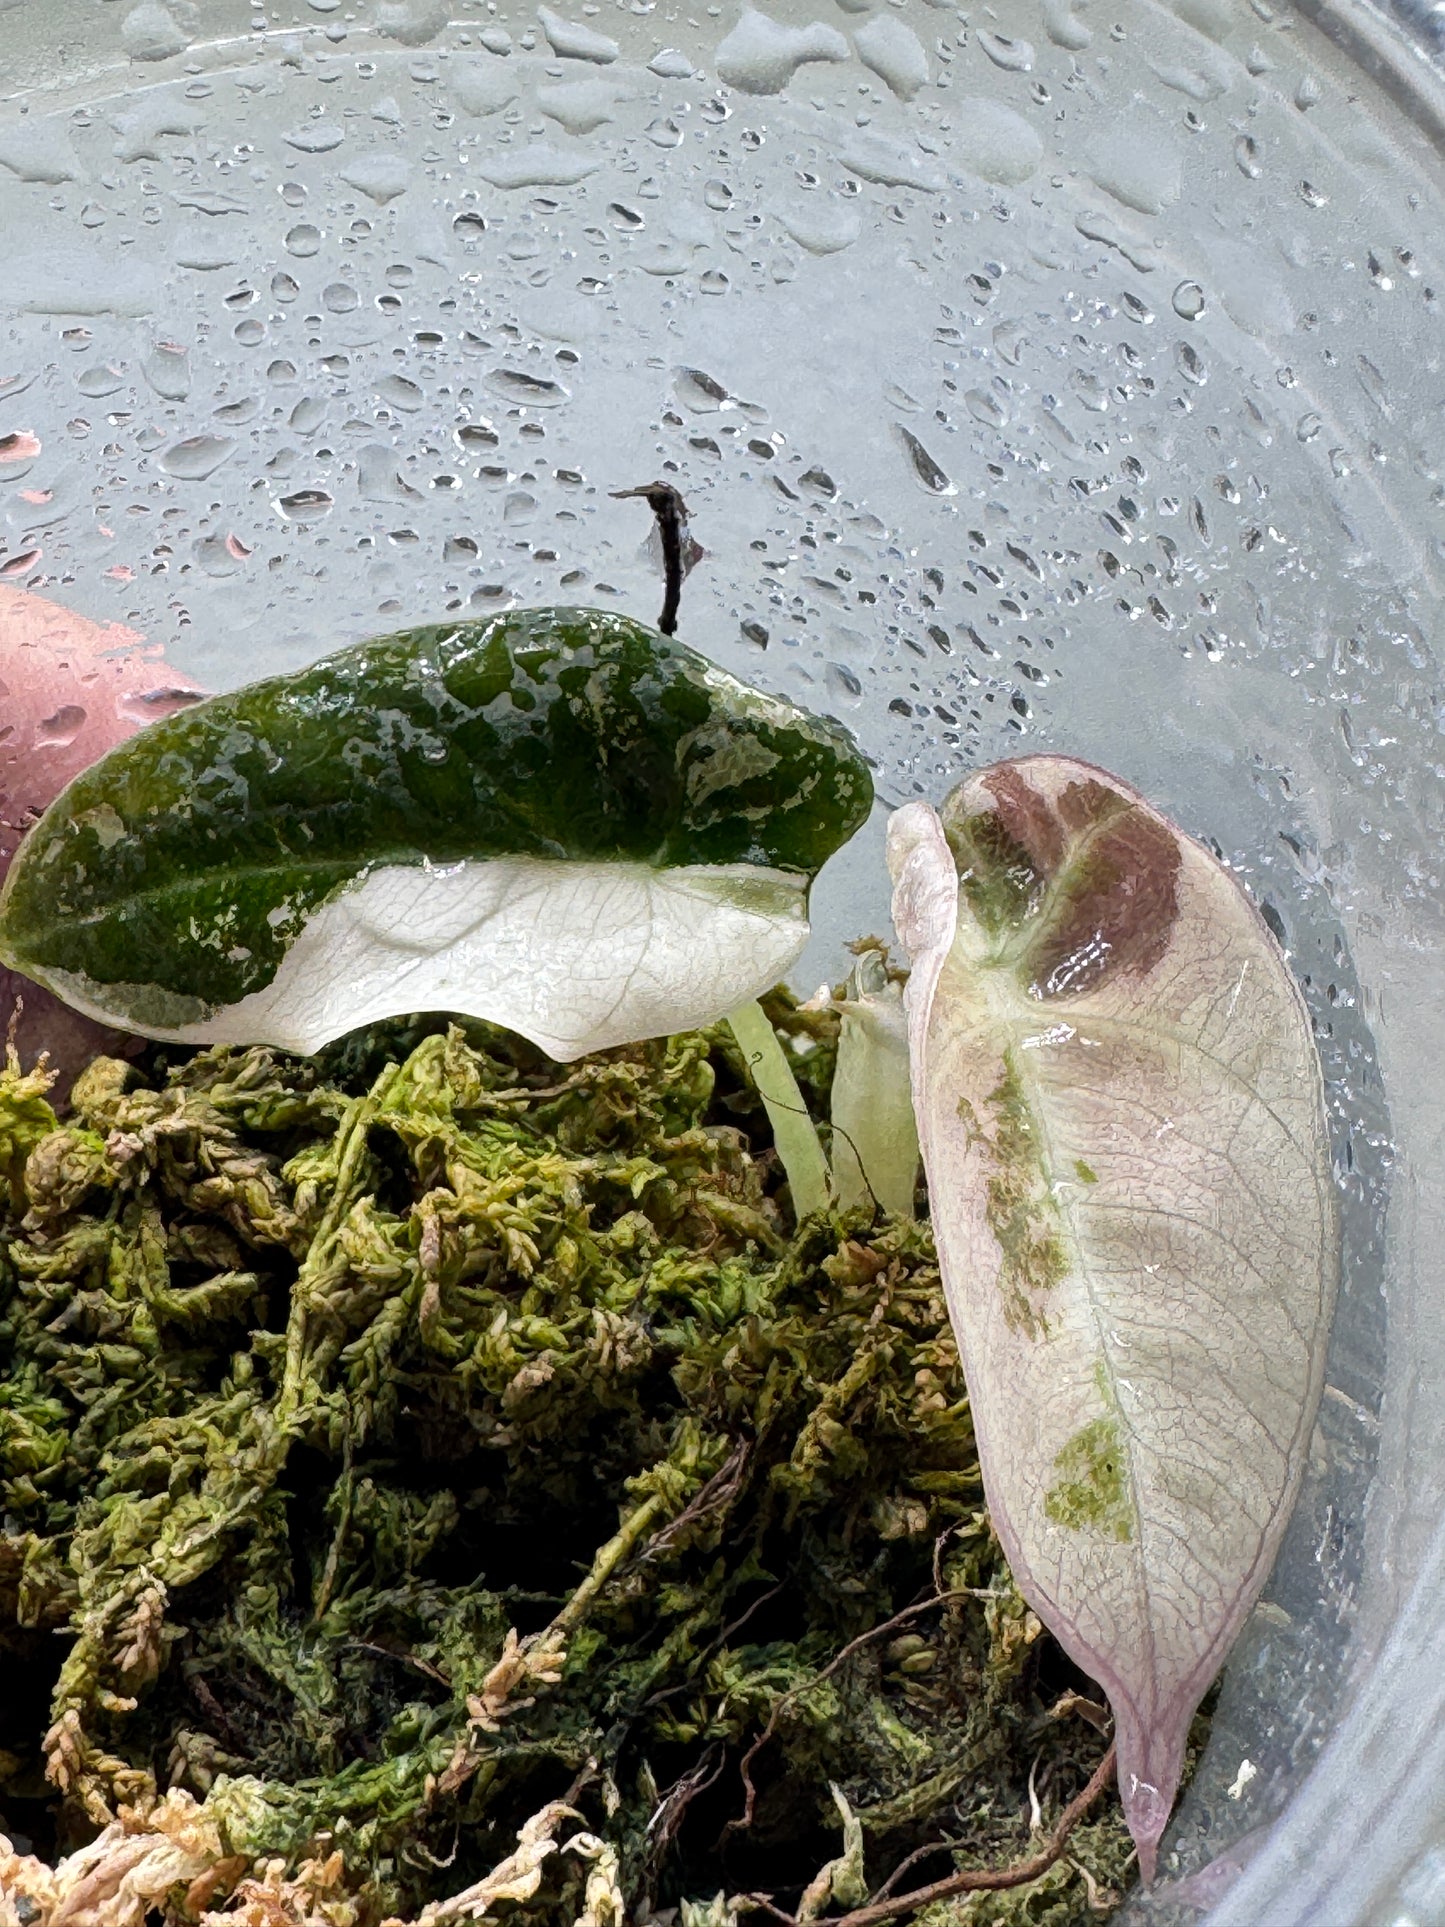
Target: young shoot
<point x="794" y="1132"/>
<point x="875" y="1139"/>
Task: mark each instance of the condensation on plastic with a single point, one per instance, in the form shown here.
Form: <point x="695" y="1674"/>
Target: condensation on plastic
<point x="1059" y="374"/>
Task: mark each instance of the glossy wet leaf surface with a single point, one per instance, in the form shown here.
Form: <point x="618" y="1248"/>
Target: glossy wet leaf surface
<point x="557" y="820"/>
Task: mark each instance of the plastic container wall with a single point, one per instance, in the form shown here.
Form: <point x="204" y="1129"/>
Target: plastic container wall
<point x="1065" y="374"/>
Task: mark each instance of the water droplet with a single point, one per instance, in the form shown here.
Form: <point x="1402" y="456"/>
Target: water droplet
<point x="1014" y="56"/>
<point x="317" y="137"/>
<point x="305" y="505"/>
<point x="473" y="435"/>
<point x="698" y="391"/>
<point x="339" y="297"/>
<point x="1373" y="383"/>
<point x="1191" y="364"/>
<point x="400" y="392"/>
<point x="714" y="281"/>
<point x="304" y="239"/>
<point x="519" y="507"/>
<point x="626" y="219"/>
<point x="1246" y="157"/>
<point x="308" y="414"/>
<point x="469" y="226"/>
<point x="284" y="287"/>
<point x="1307" y="427"/>
<point x="760" y="55"/>
<point x="822" y="227"/>
<point x="198" y="456"/>
<point x="537" y="166"/>
<point x="1063" y="29"/>
<point x="19" y="446"/>
<point x="924" y="466"/>
<point x="820" y="481"/>
<point x="1136" y="309"/>
<point x="894" y="52"/>
<point x="248" y="333"/>
<point x="1188" y="300"/>
<point x="843" y="684"/>
<point x="985" y="409"/>
<point x="718" y="195"/>
<point x="102" y="379"/>
<point x="571" y="41"/>
<point x="60" y="730"/>
<point x="1311" y="195"/>
<point x="221" y="555"/>
<point x="664" y="132"/>
<point x="380" y="176"/>
<point x="532" y="390"/>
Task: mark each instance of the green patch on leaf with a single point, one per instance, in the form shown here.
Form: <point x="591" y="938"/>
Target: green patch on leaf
<point x="1091" y="1491"/>
<point x="1020" y="1208"/>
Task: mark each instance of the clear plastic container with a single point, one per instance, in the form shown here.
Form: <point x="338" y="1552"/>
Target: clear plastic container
<point x="1042" y="374"/>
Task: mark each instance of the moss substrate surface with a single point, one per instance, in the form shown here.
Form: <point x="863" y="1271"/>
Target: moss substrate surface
<point x="429" y="1470"/>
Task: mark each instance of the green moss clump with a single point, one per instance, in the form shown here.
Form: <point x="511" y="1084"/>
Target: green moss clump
<point x="425" y="1445"/>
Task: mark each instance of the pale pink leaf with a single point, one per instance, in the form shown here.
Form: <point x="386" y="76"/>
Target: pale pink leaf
<point x="1120" y="1109"/>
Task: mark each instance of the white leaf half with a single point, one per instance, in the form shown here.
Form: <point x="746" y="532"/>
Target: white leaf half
<point x="574" y="955"/>
<point x="1120" y="1108"/>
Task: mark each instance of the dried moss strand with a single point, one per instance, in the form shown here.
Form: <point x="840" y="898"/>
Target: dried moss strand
<point x="622" y="1543"/>
<point x="350" y="1151"/>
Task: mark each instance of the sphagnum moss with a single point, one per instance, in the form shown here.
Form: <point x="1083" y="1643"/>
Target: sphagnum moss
<point x="428" y="1470"/>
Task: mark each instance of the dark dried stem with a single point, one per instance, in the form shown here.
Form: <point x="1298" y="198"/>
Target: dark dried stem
<point x="720" y="1490"/>
<point x="912" y="1860"/>
<point x="671" y="512"/>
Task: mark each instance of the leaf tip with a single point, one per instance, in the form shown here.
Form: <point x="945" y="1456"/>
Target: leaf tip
<point x="1151" y="1759"/>
<point x="925" y="882"/>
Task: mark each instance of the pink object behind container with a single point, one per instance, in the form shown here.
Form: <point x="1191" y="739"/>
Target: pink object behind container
<point x="70" y="690"/>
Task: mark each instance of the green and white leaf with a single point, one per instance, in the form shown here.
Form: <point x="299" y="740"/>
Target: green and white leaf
<point x="559" y="821"/>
